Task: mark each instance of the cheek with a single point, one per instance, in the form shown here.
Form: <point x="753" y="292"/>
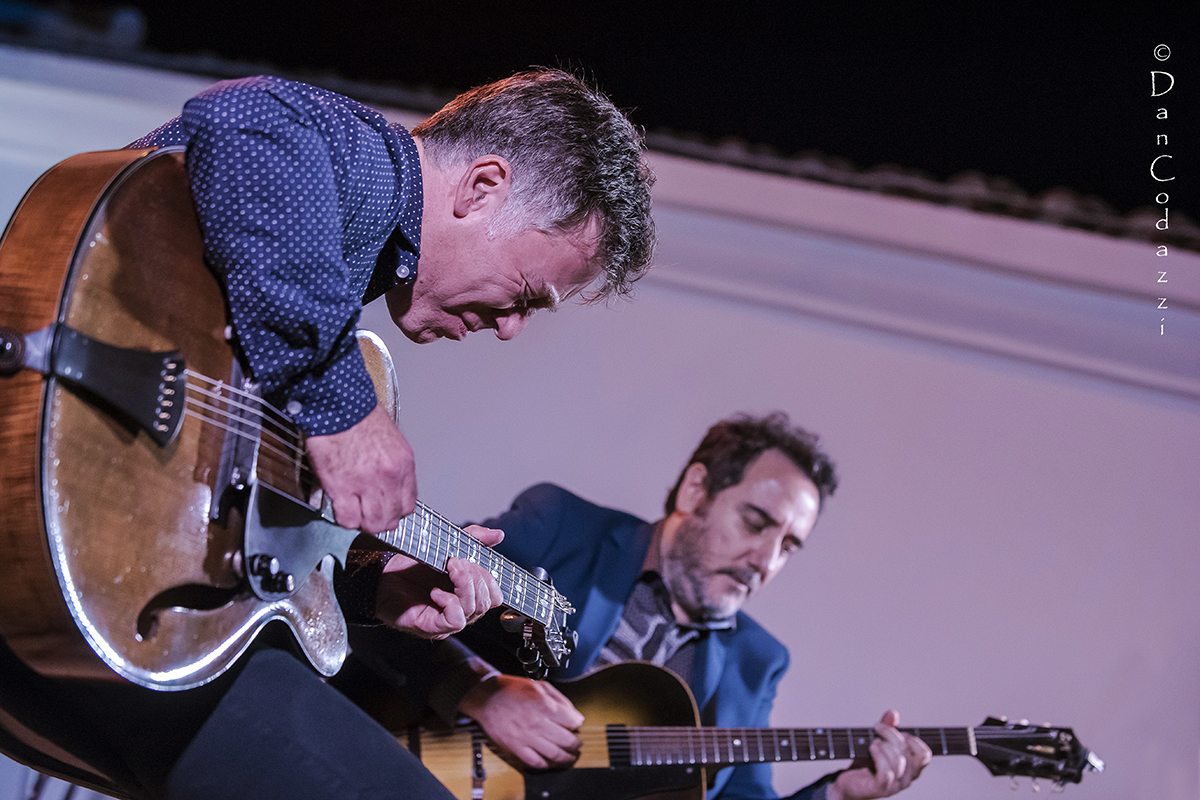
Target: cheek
<point x="774" y="569"/>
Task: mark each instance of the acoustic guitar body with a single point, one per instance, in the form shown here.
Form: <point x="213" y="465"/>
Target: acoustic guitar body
<point x="113" y="563"/>
<point x="625" y="694"/>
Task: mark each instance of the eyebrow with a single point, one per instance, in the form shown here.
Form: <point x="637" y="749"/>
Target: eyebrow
<point x="766" y="517"/>
<point x="770" y="522"/>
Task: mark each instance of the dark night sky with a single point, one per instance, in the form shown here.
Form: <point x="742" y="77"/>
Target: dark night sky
<point x="1042" y="94"/>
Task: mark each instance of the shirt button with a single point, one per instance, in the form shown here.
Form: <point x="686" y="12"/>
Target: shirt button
<point x="294" y="408"/>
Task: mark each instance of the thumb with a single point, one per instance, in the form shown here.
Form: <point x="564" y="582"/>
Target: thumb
<point x="489" y="536"/>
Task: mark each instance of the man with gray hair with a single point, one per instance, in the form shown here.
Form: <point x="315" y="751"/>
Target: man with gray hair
<point x="515" y="197"/>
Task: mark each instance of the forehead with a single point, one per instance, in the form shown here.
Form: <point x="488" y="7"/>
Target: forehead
<point x="773" y="482"/>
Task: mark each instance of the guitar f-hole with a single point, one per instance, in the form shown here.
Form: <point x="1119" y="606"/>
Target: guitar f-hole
<point x="182" y="599"/>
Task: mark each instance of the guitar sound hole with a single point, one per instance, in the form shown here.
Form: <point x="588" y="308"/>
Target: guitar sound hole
<point x="188" y="597"/>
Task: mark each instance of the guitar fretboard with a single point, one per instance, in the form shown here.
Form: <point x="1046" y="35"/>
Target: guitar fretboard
<point x="642" y="746"/>
<point x="430" y="538"/>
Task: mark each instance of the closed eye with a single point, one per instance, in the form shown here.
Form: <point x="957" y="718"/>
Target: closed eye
<point x="755" y="519"/>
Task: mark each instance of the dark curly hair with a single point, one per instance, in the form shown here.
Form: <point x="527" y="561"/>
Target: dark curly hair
<point x="575" y="158"/>
<point x="731" y="444"/>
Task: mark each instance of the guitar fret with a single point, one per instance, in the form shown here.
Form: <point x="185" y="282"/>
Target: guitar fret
<point x="864" y="736"/>
<point x="430" y="538"/>
<point x="718" y="747"/>
<point x="438" y="542"/>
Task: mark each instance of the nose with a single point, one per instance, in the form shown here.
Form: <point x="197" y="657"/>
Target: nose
<point x="510" y="324"/>
<point x="765" y="559"/>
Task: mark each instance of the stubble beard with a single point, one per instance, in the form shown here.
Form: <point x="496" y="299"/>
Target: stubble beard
<point x="685" y="574"/>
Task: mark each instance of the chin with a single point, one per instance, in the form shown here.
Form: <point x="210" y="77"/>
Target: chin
<point x="721" y="608"/>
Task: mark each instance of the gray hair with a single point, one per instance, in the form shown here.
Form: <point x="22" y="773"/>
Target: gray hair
<point x="575" y="158"/>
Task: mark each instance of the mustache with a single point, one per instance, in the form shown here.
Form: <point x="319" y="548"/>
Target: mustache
<point x="747" y="575"/>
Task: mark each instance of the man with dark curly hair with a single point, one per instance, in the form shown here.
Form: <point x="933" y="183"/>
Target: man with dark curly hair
<point x="670" y="593"/>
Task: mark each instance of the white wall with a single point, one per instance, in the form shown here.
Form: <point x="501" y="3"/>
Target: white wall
<point x="1016" y="531"/>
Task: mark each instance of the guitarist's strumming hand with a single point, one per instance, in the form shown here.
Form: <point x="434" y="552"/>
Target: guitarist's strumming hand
<point x="409" y="598"/>
<point x="531" y="724"/>
<point x="896" y="761"/>
<point x="368" y="473"/>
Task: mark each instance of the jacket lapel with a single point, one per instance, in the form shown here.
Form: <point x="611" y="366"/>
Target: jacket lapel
<point x="616" y="571"/>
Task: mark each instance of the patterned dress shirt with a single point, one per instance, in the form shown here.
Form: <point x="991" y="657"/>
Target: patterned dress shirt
<point x="647" y="630"/>
<point x="310" y="205"/>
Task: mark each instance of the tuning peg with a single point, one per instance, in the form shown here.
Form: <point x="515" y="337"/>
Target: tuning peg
<point x="1023" y="722"/>
<point x="1013" y="783"/>
<point x="527" y="655"/>
<point x="1037" y="787"/>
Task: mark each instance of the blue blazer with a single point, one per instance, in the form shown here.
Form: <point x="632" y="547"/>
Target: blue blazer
<point x="594" y="555"/>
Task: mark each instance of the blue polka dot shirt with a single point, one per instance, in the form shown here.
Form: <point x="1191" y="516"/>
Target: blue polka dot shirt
<point x="310" y="205"/>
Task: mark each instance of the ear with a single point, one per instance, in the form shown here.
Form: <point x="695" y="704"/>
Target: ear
<point x="692" y="494"/>
<point x="484" y="185"/>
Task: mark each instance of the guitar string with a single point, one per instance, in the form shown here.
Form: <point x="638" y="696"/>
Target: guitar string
<point x="277" y="444"/>
<point x="698" y="745"/>
<point x="508" y="568"/>
<point x="255" y="407"/>
<point x="660" y="734"/>
<point x="514" y="575"/>
<point x="741" y="745"/>
<point x="509" y="574"/>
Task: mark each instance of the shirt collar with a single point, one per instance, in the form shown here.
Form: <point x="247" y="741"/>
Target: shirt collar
<point x="396" y="264"/>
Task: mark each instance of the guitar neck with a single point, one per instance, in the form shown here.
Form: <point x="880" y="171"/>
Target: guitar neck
<point x="430" y="538"/>
<point x="719" y="747"/>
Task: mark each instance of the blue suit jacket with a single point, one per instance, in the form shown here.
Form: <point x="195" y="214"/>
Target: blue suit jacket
<point x="594" y="556"/>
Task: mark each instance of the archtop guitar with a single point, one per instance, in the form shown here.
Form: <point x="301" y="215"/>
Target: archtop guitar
<point x="156" y="512"/>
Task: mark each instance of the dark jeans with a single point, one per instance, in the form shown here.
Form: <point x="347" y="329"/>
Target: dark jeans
<point x="280" y="732"/>
<point x="268" y="728"/>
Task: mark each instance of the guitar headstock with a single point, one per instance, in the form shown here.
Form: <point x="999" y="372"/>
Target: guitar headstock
<point x="557" y="640"/>
<point x="1037" y="751"/>
<point x="544" y="644"/>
